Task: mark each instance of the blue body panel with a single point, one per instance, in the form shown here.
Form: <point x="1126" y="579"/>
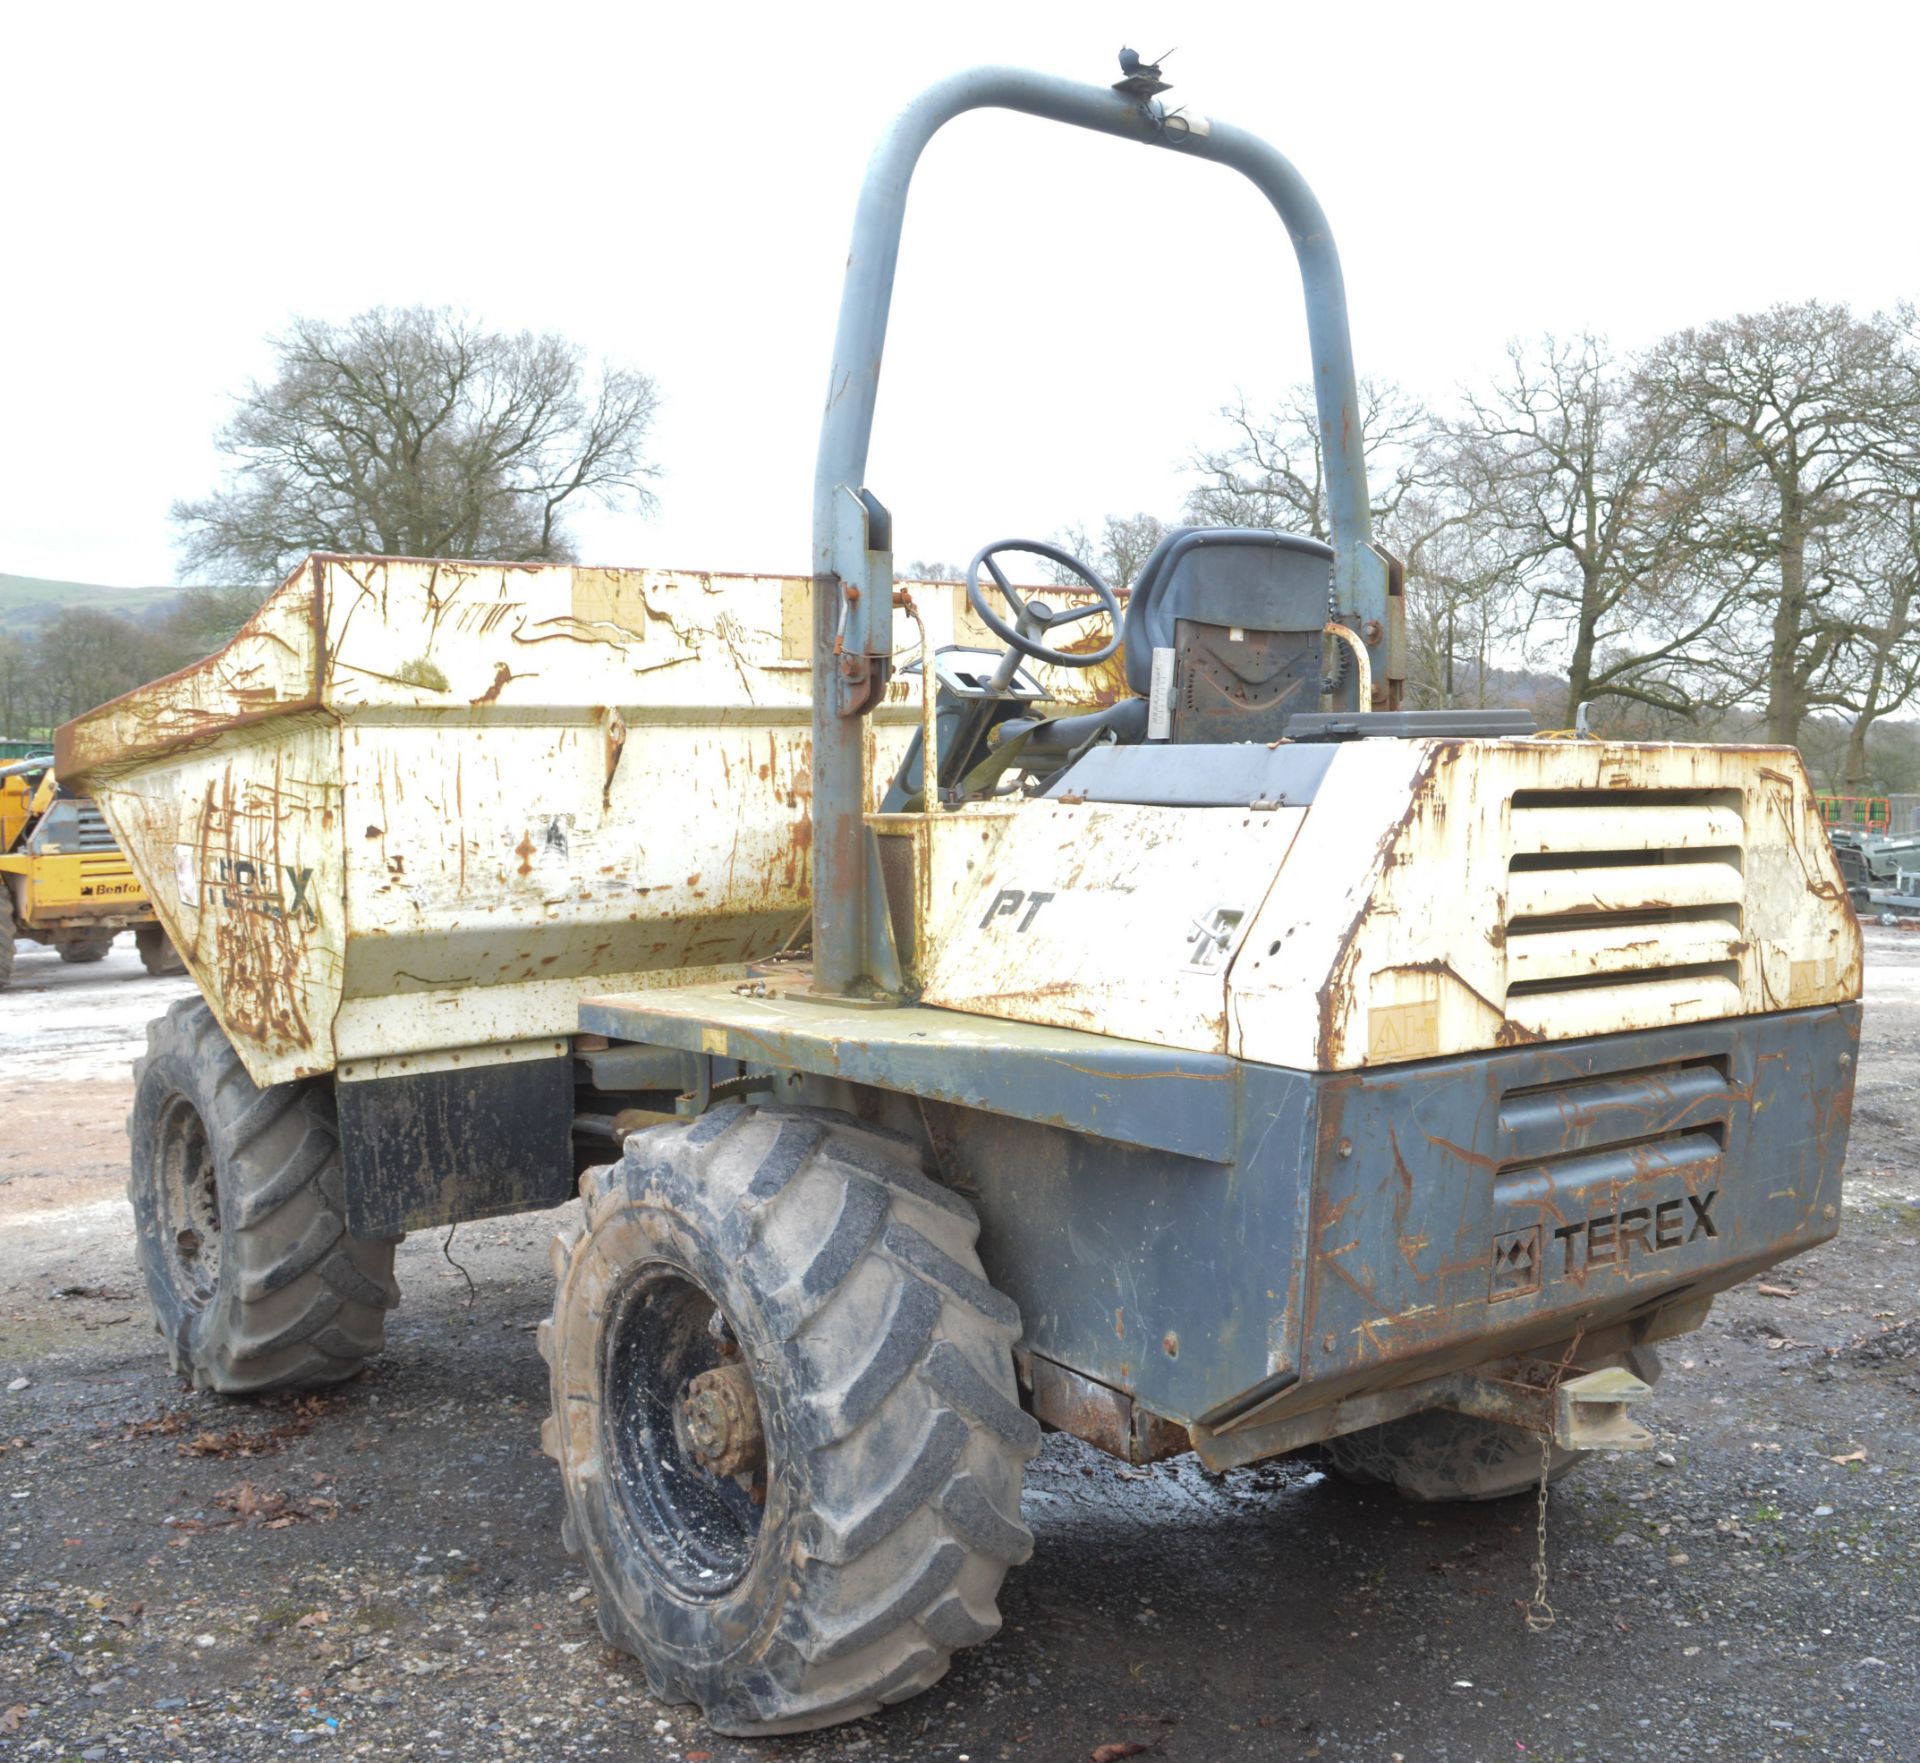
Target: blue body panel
<point x="1211" y="1236"/>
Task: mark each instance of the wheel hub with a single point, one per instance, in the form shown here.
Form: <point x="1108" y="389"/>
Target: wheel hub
<point x="720" y="1422"/>
<point x="190" y="1201"/>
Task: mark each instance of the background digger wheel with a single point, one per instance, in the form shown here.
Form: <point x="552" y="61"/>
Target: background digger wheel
<point x="785" y="1416"/>
<point x="1439" y="1455"/>
<point x="8" y="938"/>
<point x="157" y="953"/>
<point x="254" y="1280"/>
<point x="89" y="946"/>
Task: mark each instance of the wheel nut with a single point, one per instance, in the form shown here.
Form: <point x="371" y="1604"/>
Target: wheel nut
<point x="720" y="1422"/>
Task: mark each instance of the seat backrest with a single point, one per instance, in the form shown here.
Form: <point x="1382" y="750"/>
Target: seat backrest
<point x="1243" y="609"/>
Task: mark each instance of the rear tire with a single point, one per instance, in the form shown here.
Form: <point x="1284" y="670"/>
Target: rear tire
<point x="157" y="953"/>
<point x="90" y="946"/>
<point x="8" y="936"/>
<point x="808" y="1258"/>
<point x="1442" y="1456"/>
<point x="238" y="1204"/>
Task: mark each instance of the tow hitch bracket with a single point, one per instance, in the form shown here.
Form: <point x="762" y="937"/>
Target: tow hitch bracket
<point x="1584" y="1413"/>
<point x="1590" y="1413"/>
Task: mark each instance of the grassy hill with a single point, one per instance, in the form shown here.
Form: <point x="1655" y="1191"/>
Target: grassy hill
<point x="27" y="601"/>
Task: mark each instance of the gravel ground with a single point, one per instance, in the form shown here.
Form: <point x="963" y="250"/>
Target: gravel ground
<point x="378" y="1572"/>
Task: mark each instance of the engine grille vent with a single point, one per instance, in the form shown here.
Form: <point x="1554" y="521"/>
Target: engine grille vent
<point x="92" y="828"/>
<point x="1623" y="903"/>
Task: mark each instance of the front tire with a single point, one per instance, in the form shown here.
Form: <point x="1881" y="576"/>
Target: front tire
<point x="256" y="1283"/>
<point x="785" y="1416"/>
<point x="9" y="938"/>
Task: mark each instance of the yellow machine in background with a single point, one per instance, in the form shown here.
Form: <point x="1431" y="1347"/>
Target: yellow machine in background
<point x="66" y="882"/>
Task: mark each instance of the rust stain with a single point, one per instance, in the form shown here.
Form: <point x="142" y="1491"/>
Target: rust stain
<point x="260" y="940"/>
<point x="502" y="674"/>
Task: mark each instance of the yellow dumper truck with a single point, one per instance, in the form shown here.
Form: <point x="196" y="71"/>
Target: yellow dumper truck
<point x="66" y="882"/>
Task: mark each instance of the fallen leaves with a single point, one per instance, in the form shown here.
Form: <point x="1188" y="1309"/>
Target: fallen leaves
<point x="272" y="1511"/>
<point x="237" y="1442"/>
<point x="1850" y="1457"/>
<point x="234" y="1442"/>
<point x="11" y="1718"/>
<point x="156" y="1426"/>
<point x="1114" y="1752"/>
<point x="1771" y="1291"/>
<point x="252" y="1507"/>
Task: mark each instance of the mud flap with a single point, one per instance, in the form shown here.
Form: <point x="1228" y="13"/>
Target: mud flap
<point x="444" y="1147"/>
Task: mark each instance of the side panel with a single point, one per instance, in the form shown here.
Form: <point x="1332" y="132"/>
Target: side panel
<point x="1385" y="1227"/>
<point x="238" y="848"/>
<point x="1111" y="917"/>
<point x="518" y="854"/>
<point x="1173" y="1279"/>
<point x="1499" y="1200"/>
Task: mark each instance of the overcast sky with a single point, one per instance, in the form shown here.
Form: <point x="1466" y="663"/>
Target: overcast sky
<point x="673" y="187"/>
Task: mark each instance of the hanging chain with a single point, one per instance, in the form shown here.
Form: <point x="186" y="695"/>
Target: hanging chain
<point x="1539" y="1612"/>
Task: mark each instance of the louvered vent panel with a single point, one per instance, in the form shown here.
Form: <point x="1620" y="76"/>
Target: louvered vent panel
<point x="1623" y="906"/>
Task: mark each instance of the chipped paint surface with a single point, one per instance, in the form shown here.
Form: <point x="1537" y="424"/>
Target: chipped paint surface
<point x="1437" y="897"/>
<point x="414" y="798"/>
<point x="416" y="805"/>
<point x="1091" y="916"/>
<point x="1452" y="896"/>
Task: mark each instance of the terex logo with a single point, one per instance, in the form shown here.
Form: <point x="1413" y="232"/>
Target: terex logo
<point x="1608" y="1239"/>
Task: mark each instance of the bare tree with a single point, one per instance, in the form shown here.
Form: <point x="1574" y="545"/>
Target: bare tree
<point x="1271" y="471"/>
<point x="1801" y="404"/>
<point x="1883" y="671"/>
<point x="1460" y="600"/>
<point x="84" y="657"/>
<point x="17" y="698"/>
<point x="205" y="619"/>
<point x="417" y="433"/>
<point x="1125" y="543"/>
<point x="1598" y="496"/>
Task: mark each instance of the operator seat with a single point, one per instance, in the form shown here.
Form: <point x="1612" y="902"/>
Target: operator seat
<point x="1244" y="611"/>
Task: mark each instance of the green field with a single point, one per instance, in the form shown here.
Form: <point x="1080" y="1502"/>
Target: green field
<point x="27" y="601"/>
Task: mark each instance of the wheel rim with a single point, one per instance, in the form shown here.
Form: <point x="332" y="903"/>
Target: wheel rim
<point x="190" y="1204"/>
<point x="700" y="1525"/>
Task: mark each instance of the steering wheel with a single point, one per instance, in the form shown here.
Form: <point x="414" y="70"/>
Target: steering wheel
<point x="1036" y="617"/>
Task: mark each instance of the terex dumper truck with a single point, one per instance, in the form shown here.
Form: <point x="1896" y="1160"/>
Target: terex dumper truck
<point x="1193" y="1049"/>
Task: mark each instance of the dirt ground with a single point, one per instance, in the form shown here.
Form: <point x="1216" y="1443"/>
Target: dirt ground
<point x="379" y="1572"/>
